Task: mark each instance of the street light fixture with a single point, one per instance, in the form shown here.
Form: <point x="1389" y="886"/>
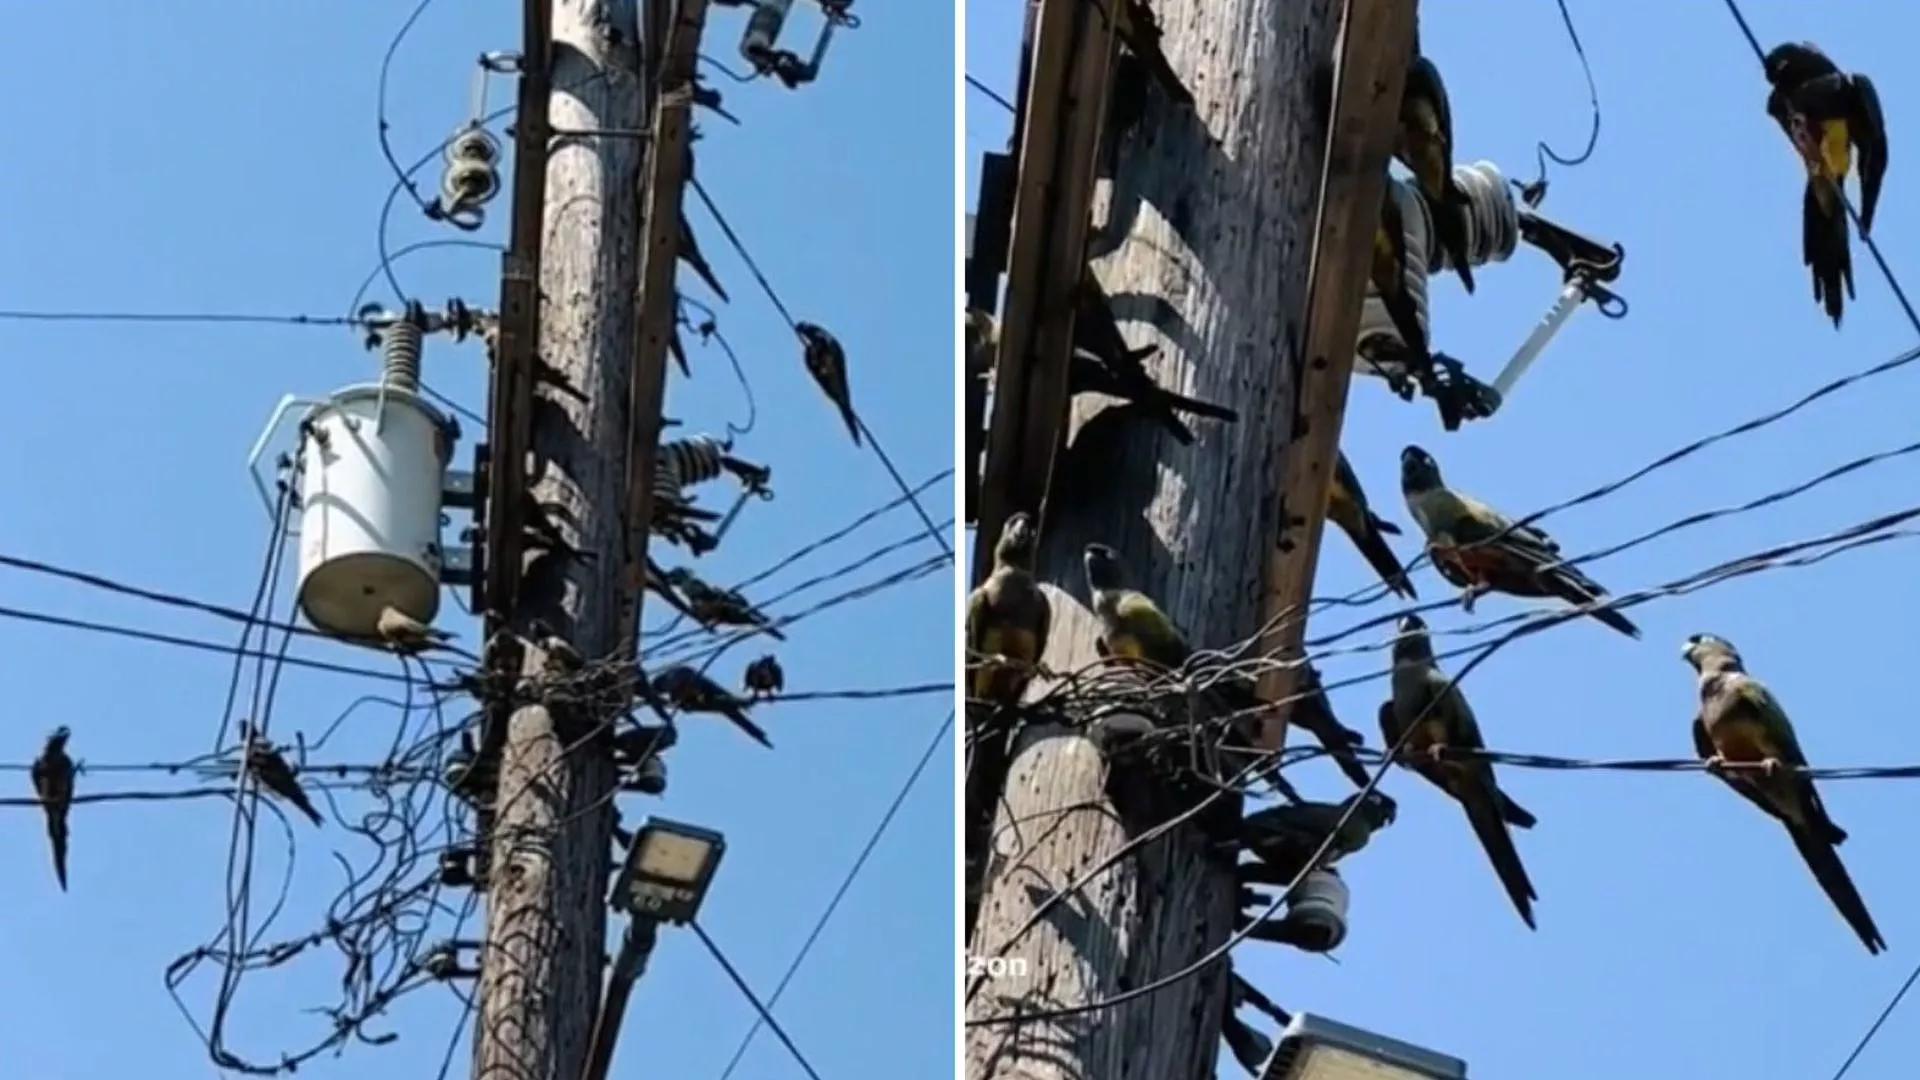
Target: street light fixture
<point x="668" y="869"/>
<point x="669" y="866"/>
<point x="1316" y="1048"/>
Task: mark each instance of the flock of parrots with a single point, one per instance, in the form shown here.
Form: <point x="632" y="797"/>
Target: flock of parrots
<point x="1741" y="732"/>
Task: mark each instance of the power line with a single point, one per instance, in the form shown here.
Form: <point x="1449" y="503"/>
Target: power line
<point x="747" y="992"/>
<point x="21" y="315"/>
<point x="991" y="93"/>
<point x="853" y="872"/>
<point x="1875" y="1029"/>
<point x="47" y="619"/>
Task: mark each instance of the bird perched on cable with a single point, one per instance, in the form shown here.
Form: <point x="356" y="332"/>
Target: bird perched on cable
<point x="764" y="678"/>
<point x="1284" y="837"/>
<point x="1424" y="143"/>
<point x="52" y="776"/>
<point x="1140" y="31"/>
<point x="1313" y="713"/>
<point x="689" y="252"/>
<point x="1132" y="627"/>
<point x="1828" y="115"/>
<point x="1389" y="273"/>
<point x="405" y="634"/>
<point x="1008" y="617"/>
<point x="1478" y="549"/>
<point x="827" y="363"/>
<point x="1102" y="363"/>
<point x="689" y="691"/>
<point x="1347" y="507"/>
<point x="1740" y="721"/>
<point x="274" y="774"/>
<point x="714" y="606"/>
<point x="1425" y="703"/>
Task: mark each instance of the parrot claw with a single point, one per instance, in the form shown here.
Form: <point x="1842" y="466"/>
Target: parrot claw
<point x="1438" y="753"/>
<point x="1469" y="595"/>
<point x="1716" y="764"/>
<point x="1770" y="767"/>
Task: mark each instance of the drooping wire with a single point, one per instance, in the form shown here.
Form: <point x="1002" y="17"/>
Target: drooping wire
<point x="710" y="330"/>
<point x="386" y="144"/>
<point x="1542" y="151"/>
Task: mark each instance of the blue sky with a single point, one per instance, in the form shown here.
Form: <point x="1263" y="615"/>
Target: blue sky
<point x="1679" y="933"/>
<point x="223" y="158"/>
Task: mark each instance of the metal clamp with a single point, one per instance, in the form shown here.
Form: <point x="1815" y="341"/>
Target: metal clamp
<point x="274" y="423"/>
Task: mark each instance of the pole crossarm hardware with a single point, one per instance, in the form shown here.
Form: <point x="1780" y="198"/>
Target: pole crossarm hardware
<point x="668" y="162"/>
<point x="1376" y="45"/>
<point x="1072" y="61"/>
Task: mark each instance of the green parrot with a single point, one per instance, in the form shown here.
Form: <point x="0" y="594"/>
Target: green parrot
<point x="1828" y="115"/>
<point x="1741" y="721"/>
<point x="1460" y="533"/>
<point x="1424" y="144"/>
<point x="1347" y="508"/>
<point x="1007" y="616"/>
<point x="1284" y="837"/>
<point x="1421" y="693"/>
<point x="1132" y="626"/>
<point x="52" y="776"/>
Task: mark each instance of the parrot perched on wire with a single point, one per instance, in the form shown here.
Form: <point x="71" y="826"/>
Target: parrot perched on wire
<point x="1477" y="548"/>
<point x="52" y="777"/>
<point x="1008" y="616"/>
<point x="1741" y="721"/>
<point x="1424" y="143"/>
<point x="1437" y="712"/>
<point x="1347" y="508"/>
<point x="691" y="692"/>
<point x="274" y="774"/>
<point x="827" y="363"/>
<point x="1828" y="115"/>
<point x="714" y="606"/>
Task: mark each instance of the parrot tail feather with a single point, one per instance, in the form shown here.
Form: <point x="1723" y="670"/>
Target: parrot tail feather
<point x="1483" y="813"/>
<point x="1826" y="251"/>
<point x="1516" y="815"/>
<point x="1832" y="876"/>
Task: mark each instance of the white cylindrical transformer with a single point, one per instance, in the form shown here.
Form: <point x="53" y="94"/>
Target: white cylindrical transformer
<point x="1321" y="903"/>
<point x="373" y="468"/>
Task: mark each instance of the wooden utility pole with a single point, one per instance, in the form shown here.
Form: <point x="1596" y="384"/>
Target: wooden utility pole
<point x="1215" y="208"/>
<point x="552" y="828"/>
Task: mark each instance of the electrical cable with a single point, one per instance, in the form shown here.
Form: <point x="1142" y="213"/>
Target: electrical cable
<point x="853" y="872"/>
<point x="747" y="992"/>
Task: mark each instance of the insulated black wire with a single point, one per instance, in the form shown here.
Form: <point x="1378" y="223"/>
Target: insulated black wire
<point x="991" y="93"/>
<point x="853" y="872"/>
<point x="1542" y="151"/>
<point x="747" y="992"/>
<point x="1875" y="1029"/>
